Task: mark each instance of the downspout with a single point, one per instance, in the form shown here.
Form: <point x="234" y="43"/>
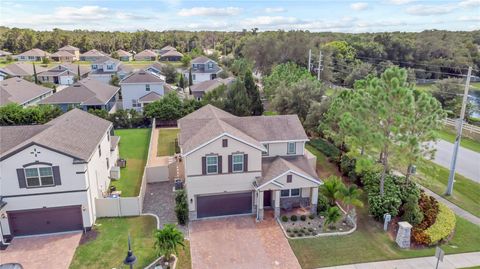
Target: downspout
<point x="2" y="203"/>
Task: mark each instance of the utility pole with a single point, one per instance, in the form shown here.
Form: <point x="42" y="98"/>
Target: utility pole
<point x="451" y="177"/>
<point x="309" y="60"/>
<point x="319" y="65"/>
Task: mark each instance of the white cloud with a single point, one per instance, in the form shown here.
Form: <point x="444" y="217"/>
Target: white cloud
<point x="275" y="10"/>
<point x="359" y="6"/>
<point x="400" y="2"/>
<point x="209" y="11"/>
<point x="469" y="18"/>
<point x="429" y="10"/>
<point x="270" y="21"/>
<point x="469" y="3"/>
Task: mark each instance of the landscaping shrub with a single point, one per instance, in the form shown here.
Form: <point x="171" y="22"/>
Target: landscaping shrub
<point x="412" y="212"/>
<point x="322" y="204"/>
<point x="347" y="167"/>
<point x="327" y="148"/>
<point x="407" y="188"/>
<point x="443" y="226"/>
<point x="378" y="205"/>
<point x="303" y="217"/>
<point x="284" y="218"/>
<point x="293" y="218"/>
<point x="311" y="216"/>
<point x="181" y="207"/>
<point x="429" y="207"/>
<point x="288" y="230"/>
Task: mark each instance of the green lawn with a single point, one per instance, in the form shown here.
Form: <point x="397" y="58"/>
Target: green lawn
<point x="133" y="148"/>
<point x="466" y="193"/>
<point x="166" y="141"/>
<point x="109" y="248"/>
<point x="270" y="113"/>
<point x="466" y="142"/>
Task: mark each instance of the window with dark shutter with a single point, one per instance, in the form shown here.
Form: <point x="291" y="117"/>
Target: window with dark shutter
<point x="204" y="165"/>
<point x="219" y="164"/>
<point x="245" y="163"/>
<point x="21" y="178"/>
<point x="56" y="175"/>
<point x="289" y="178"/>
<point x="229" y="163"/>
<point x="225" y="143"/>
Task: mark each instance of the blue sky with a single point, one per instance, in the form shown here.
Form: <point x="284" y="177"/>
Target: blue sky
<point x="158" y="15"/>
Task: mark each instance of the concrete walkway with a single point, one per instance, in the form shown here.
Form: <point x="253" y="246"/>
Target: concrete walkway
<point x="467" y="160"/>
<point x="453" y="261"/>
<point x="462" y="213"/>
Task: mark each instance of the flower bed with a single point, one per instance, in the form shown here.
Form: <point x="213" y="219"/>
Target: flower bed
<point x="443" y="226"/>
<point x="297" y="226"/>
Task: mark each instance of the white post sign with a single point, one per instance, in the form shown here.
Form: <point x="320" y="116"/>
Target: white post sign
<point x="387" y="218"/>
<point x="439" y="253"/>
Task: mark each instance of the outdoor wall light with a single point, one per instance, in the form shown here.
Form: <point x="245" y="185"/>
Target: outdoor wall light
<point x="4" y="215"/>
<point x="191" y="201"/>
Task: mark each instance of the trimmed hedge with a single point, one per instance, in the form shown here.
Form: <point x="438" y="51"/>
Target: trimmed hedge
<point x="443" y="226"/>
<point x="327" y="148"/>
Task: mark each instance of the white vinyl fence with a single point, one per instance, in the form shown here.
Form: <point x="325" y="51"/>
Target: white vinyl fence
<point x="468" y="130"/>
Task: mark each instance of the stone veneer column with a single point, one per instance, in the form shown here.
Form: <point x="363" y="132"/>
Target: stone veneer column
<point x="277" y="203"/>
<point x="403" y="234"/>
<point x="260" y="205"/>
<point x="314" y="200"/>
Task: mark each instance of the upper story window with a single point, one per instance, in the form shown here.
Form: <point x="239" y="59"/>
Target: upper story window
<point x="210" y="65"/>
<point x="147" y="87"/>
<point x="212" y="164"/>
<point x="99" y="151"/>
<point x="291" y="148"/>
<point x="237" y="162"/>
<point x="39" y="177"/>
<point x="266" y="153"/>
<point x="135" y="103"/>
<point x="225" y="143"/>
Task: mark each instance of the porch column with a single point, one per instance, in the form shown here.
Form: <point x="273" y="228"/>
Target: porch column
<point x="260" y="206"/>
<point x="277" y="203"/>
<point x="314" y="200"/>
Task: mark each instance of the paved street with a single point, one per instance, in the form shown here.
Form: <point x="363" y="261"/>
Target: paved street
<point x="468" y="162"/>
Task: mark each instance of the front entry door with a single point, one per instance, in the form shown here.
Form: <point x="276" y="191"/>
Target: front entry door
<point x="267" y="198"/>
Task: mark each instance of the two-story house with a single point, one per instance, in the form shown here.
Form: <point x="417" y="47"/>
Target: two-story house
<point x="203" y="69"/>
<point x="52" y="174"/>
<point x="244" y="165"/>
<point x="104" y="68"/>
<point x="64" y="74"/>
<point x="140" y="88"/>
<point x="72" y="50"/>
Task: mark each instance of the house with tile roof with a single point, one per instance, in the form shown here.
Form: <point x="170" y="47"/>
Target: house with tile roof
<point x="245" y="165"/>
<point x="140" y="88"/>
<point x="33" y="55"/>
<point x="64" y="74"/>
<point x="203" y="69"/>
<point x="53" y="173"/>
<point x="22" y="92"/>
<point x="86" y="94"/>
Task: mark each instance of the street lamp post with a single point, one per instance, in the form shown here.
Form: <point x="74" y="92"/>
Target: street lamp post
<point x="130" y="259"/>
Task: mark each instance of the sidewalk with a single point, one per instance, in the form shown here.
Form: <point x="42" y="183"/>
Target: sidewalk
<point x="462" y="213"/>
<point x="449" y="262"/>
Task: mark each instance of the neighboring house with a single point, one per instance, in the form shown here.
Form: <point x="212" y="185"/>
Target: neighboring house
<point x="170" y="53"/>
<point x="104" y="68"/>
<point x="156" y="68"/>
<point x="124" y="56"/>
<point x="64" y="74"/>
<point x="72" y="50"/>
<point x="4" y="54"/>
<point x="140" y="88"/>
<point x="21" y="70"/>
<point x="200" y="89"/>
<point x="62" y="56"/>
<point x="52" y="174"/>
<point x="242" y="165"/>
<point x="146" y="55"/>
<point x="86" y="94"/>
<point x="203" y="69"/>
<point x="165" y="49"/>
<point x="33" y="55"/>
<point x="22" y="92"/>
<point x="92" y="55"/>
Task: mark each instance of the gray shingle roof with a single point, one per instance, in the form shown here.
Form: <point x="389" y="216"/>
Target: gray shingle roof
<point x="200" y="60"/>
<point x="209" y="85"/>
<point x="22" y="69"/>
<point x="273" y="167"/>
<point x="85" y="92"/>
<point x="103" y="59"/>
<point x="68" y="47"/>
<point x="62" y="53"/>
<point x="146" y="53"/>
<point x="150" y="97"/>
<point x="34" y="52"/>
<point x="75" y="133"/>
<point x="172" y="53"/>
<point x="20" y="91"/>
<point x="93" y="52"/>
<point x="122" y="53"/>
<point x="142" y="76"/>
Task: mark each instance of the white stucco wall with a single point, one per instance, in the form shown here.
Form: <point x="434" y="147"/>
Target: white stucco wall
<point x="134" y="91"/>
<point x="105" y="78"/>
<point x="200" y="77"/>
<point x="280" y="149"/>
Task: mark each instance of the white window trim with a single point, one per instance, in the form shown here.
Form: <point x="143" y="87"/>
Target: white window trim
<point x="294" y="148"/>
<point x="290" y="193"/>
<point x="147" y="87"/>
<point x="39" y="177"/>
<point x="207" y="165"/>
<point x="242" y="162"/>
<point x="266" y="153"/>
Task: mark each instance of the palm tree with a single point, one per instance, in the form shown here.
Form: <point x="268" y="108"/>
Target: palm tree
<point x="330" y="188"/>
<point x="350" y="196"/>
<point x="332" y="217"/>
<point x="167" y="241"/>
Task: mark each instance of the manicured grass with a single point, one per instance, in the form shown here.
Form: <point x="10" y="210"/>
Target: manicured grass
<point x="133" y="148"/>
<point x="466" y="193"/>
<point x="109" y="248"/>
<point x="166" y="141"/>
<point x="270" y="113"/>
<point x="369" y="243"/>
<point x="466" y="142"/>
<point x="324" y="167"/>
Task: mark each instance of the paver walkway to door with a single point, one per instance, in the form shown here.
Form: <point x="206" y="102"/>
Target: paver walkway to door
<point x="240" y="242"/>
<point x="453" y="261"/>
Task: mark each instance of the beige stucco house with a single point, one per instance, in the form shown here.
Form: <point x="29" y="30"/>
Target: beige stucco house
<point x="245" y="165"/>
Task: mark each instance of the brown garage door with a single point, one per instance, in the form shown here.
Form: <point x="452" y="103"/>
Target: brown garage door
<point x="45" y="220"/>
<point x="224" y="204"/>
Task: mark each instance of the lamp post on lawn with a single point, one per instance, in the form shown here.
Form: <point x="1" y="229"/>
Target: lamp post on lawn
<point x="130" y="259"/>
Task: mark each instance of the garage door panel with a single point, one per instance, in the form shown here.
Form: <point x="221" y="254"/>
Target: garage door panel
<point x="45" y="220"/>
<point x="224" y="204"/>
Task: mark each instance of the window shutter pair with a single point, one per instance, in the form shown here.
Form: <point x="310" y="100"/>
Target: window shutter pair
<point x="22" y="183"/>
<point x="245" y="163"/>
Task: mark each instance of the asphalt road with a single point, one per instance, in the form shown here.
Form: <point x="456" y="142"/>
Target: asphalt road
<point x="468" y="161"/>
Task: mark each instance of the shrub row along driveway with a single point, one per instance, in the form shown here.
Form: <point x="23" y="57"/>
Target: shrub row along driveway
<point x="239" y="242"/>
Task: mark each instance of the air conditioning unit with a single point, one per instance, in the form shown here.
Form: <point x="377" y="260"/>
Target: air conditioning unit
<point x="115" y="173"/>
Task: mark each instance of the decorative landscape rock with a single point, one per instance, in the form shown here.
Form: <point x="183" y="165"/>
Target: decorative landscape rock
<point x="403" y="234"/>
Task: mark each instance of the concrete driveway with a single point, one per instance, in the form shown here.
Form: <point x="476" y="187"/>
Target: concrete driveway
<point x="240" y="242"/>
<point x="45" y="251"/>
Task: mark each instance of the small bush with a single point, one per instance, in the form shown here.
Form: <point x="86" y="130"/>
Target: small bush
<point x="327" y="148"/>
<point x="300" y="235"/>
<point x="284" y="218"/>
<point x="412" y="212"/>
<point x="291" y="235"/>
<point x="303" y="217"/>
<point x="322" y="204"/>
<point x="181" y="207"/>
<point x="296" y="230"/>
<point x="293" y="218"/>
<point x="311" y="216"/>
<point x="310" y="229"/>
<point x="443" y="226"/>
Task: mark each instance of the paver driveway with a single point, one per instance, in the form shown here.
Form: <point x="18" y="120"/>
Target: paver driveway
<point x="46" y="251"/>
<point x="239" y="242"/>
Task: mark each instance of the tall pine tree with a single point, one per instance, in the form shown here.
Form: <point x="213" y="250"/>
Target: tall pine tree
<point x="253" y="94"/>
